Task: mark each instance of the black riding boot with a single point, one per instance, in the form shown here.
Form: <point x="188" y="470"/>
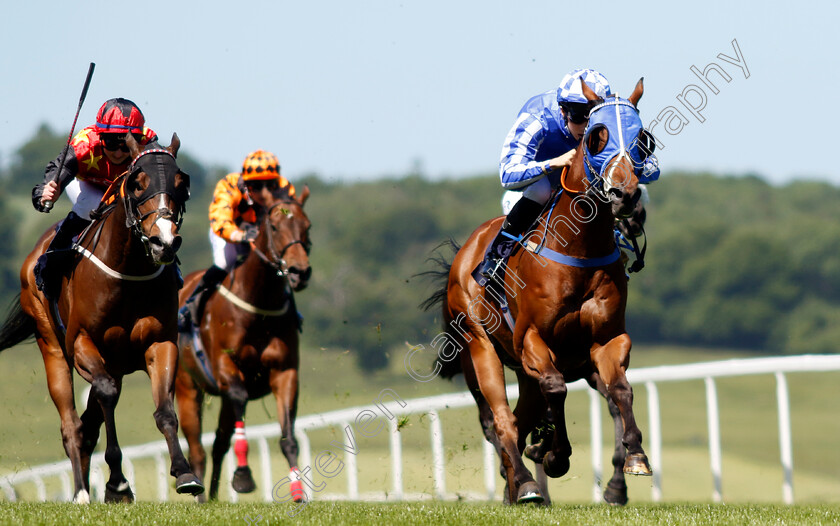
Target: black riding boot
<point x="521" y="216"/>
<point x="50" y="265"/>
<point x="191" y="311"/>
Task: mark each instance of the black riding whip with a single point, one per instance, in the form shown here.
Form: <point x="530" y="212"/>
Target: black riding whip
<point x="49" y="204"/>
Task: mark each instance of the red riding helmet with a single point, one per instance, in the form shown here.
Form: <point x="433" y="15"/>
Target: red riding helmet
<point x="260" y="165"/>
<point x="119" y="116"/>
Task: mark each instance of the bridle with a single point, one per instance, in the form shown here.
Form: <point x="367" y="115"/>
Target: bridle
<point x="275" y="258"/>
<point x="624" y="129"/>
<point x="159" y="168"/>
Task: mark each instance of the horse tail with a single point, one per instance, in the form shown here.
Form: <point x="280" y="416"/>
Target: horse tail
<point x="439" y="274"/>
<point x="18" y="326"/>
<point x="448" y="369"/>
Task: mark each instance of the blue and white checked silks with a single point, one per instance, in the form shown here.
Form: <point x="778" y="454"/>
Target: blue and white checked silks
<point x="540" y="132"/>
<point x="570" y="89"/>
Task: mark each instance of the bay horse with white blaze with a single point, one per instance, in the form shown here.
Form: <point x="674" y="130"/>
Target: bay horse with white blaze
<point x="565" y="293"/>
<point x="247" y="344"/>
<point x="124" y="323"/>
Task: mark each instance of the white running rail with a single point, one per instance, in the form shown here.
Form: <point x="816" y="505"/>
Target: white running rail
<point x="433" y="405"/>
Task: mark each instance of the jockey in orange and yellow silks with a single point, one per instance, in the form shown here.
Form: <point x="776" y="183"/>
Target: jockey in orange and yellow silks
<point x="233" y="217"/>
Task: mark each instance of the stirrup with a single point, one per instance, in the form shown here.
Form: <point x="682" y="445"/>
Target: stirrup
<point x="490" y="266"/>
<point x="184" y="319"/>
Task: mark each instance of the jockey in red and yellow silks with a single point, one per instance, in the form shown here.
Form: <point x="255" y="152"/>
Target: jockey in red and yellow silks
<point x="95" y="157"/>
<point x="232" y="222"/>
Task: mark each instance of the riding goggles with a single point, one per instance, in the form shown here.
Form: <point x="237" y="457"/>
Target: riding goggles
<point x="116" y="141"/>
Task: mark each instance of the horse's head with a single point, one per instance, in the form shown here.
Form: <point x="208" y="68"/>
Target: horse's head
<point x="155" y="194"/>
<point x="618" y="150"/>
<point x="285" y="236"/>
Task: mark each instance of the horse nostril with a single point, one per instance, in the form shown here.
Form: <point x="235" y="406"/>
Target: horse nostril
<point x="176" y="243"/>
<point x="303" y="275"/>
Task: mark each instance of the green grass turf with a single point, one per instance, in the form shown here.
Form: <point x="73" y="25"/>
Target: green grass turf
<point x="322" y="513"/>
<point x="329" y="380"/>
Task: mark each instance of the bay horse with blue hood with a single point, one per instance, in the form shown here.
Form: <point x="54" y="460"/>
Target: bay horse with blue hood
<point x="563" y="294"/>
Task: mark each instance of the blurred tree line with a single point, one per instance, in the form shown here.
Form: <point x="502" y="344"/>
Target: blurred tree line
<point x="732" y="260"/>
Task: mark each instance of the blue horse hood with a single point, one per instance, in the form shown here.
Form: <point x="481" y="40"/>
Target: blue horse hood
<point x="626" y="133"/>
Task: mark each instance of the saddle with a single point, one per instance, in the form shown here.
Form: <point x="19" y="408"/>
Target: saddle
<point x="59" y="256"/>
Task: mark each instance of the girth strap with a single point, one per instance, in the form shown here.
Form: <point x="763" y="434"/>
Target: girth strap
<point x="231" y="297"/>
<point x="572" y="261"/>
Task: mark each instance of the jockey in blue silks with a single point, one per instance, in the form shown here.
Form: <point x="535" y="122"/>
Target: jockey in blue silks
<point x="541" y="142"/>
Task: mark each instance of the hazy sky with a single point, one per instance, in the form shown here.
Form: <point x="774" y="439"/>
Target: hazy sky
<point x="363" y="89"/>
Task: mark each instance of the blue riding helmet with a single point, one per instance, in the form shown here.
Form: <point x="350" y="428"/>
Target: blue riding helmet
<point x="571" y="92"/>
<point x="626" y="136"/>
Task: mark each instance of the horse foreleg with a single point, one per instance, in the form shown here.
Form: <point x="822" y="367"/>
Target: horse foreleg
<point x="161" y="365"/>
<point x="537" y="364"/>
<point x="105" y="390"/>
<point x="221" y="444"/>
<point x="284" y="385"/>
<point x="237" y="396"/>
<point x="92" y="420"/>
<point x="102" y="402"/>
<point x="616" y="491"/>
<point x="189" y="398"/>
<point x="60" y="385"/>
<point x="611" y="363"/>
<point x="530" y="410"/>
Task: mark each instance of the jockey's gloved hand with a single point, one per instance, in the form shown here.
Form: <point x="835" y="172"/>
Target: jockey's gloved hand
<point x="251" y="231"/>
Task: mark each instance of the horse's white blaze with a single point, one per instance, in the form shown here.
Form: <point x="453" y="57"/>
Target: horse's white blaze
<point x="82" y="497"/>
<point x="615" y="163"/>
<point x="608" y="180"/>
<point x="166" y="227"/>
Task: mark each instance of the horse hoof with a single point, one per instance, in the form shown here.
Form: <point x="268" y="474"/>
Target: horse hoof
<point x="615" y="496"/>
<point x="555" y="465"/>
<point x="242" y="481"/>
<point x="637" y="464"/>
<point x="120" y="493"/>
<point x="201" y="498"/>
<point x="529" y="493"/>
<point x="188" y="483"/>
<point x="534" y="452"/>
<point x="82" y="497"/>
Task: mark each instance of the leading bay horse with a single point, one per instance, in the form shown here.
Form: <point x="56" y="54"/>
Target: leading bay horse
<point x="116" y="314"/>
<point x="565" y="293"/>
<point x="248" y="338"/>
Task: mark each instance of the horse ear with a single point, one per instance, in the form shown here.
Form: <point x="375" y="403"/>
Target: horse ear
<point x="637" y="93"/>
<point x="587" y="92"/>
<point x="133" y="147"/>
<point x="304" y="195"/>
<point x="174" y="144"/>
